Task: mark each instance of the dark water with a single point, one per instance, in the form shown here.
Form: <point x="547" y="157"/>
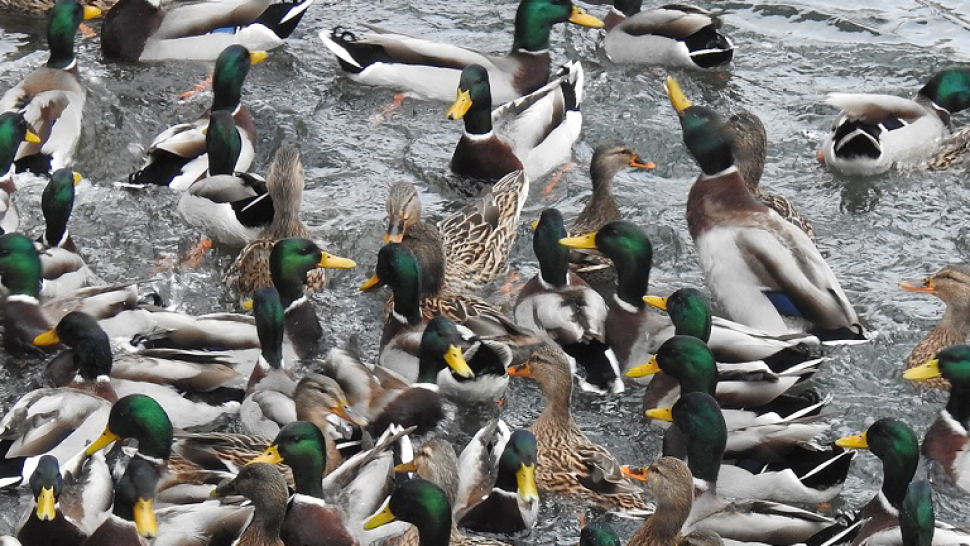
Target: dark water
<point x="873" y="232"/>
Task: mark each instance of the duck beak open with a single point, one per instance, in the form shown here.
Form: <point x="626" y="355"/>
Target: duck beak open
<point x="584" y="242"/>
<point x="925" y="287"/>
<point x="383" y="517"/>
<point x="45" y="505"/>
<point x="520" y="370"/>
<point x="676" y="96"/>
<point x="145" y="520"/>
<point x="47" y="339"/>
<point x="91" y="12"/>
<point x="456" y="361"/>
<point x="335" y="262"/>
<point x="525" y="479"/>
<point x="858" y="441"/>
<point x="929" y="370"/>
<point x="371" y="283"/>
<point x="661" y="414"/>
<point x="257" y="57"/>
<point x="270" y="456"/>
<point x="32" y="137"/>
<point x="461" y="105"/>
<point x="636" y="472"/>
<point x="643" y="370"/>
<point x="638" y="163"/>
<point x="656" y="301"/>
<point x="581" y="18"/>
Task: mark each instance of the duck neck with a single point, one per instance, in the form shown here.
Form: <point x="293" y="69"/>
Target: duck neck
<point x="531" y="33"/>
<point x="556" y="416"/>
<point x="266" y="525"/>
<point x="478" y="119"/>
<point x="57" y="211"/>
<point x="428" y="368"/>
<point x="60" y="40"/>
<point x="663" y="527"/>
<point x="632" y="279"/>
<point x="308" y="475"/>
<point x="959" y="405"/>
<point x="956" y="319"/>
<point x="898" y="472"/>
<point x="407" y="304"/>
<point x="718" y="195"/>
<point x="435" y="529"/>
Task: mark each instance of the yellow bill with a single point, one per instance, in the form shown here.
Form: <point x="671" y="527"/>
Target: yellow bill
<point x="270" y="456"/>
<point x="247" y="304"/>
<point x="581" y="18"/>
<point x="383" y="517"/>
<point x="257" y="57"/>
<point x="929" y="370"/>
<point x="456" y="361"/>
<point x="643" y="370"/>
<point x="534" y="224"/>
<point x="461" y="105"/>
<point x="32" y="137"/>
<point x="335" y="262"/>
<point x="676" y="96"/>
<point x="107" y="437"/>
<point x="47" y="339"/>
<point x="77" y="178"/>
<point x="370" y="283"/>
<point x="145" y="520"/>
<point x="525" y="479"/>
<point x="858" y="441"/>
<point x="90" y="12"/>
<point x="406" y="467"/>
<point x="661" y="414"/>
<point x="583" y="242"/>
<point x="45" y="504"/>
<point x="656" y="301"/>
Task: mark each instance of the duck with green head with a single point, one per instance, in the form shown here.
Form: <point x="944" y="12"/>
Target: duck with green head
<point x="13" y="131"/>
<point x="873" y="132"/>
<point x="697" y="416"/>
<point x="20" y="273"/>
<point x="557" y="301"/>
<point x="46" y="525"/>
<point x="947" y="441"/>
<point x="387" y="59"/>
<point x="52" y="97"/>
<point x="537" y="131"/>
<point x="760" y="268"/>
<point x="132" y="519"/>
<point x="177" y="157"/>
<point x="64" y="269"/>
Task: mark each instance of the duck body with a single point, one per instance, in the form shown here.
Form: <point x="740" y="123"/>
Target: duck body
<point x="672" y="35"/>
<point x="875" y="132"/>
<point x="63" y="269"/>
<point x="152" y="30"/>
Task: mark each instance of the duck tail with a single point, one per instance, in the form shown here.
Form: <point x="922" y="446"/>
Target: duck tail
<point x="283" y="17"/>
<point x="353" y="54"/>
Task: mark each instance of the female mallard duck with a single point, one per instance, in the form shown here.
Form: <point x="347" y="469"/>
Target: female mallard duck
<point x="757" y="265"/>
<point x="947" y="441"/>
<point x="388" y="59"/>
<point x="673" y="35"/>
<point x="897" y="447"/>
<point x="52" y="97"/>
<point x="698" y="417"/>
<point x="253" y="268"/>
<point x="63" y="269"/>
<point x="46" y="525"/>
<point x="265" y="487"/>
<point x="560" y="303"/>
<point x="132" y="518"/>
<point x="317" y="398"/>
<point x="177" y="157"/>
<point x="535" y="133"/>
<point x="874" y="132"/>
<point x="569" y="463"/>
<point x="231" y="208"/>
<point x="436" y="461"/>
<point x="13" y="131"/>
<point x="952" y="285"/>
<point x="151" y="30"/>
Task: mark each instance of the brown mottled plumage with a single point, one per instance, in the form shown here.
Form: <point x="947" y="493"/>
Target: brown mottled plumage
<point x="262" y="484"/>
<point x="952" y="285"/>
<point x="672" y="484"/>
<point x="569" y="463"/>
<point x="952" y="151"/>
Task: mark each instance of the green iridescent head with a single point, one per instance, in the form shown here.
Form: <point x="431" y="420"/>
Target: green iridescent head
<point x="398" y="268"/>
<point x="535" y="18"/>
<point x="598" y="534"/>
<point x="690" y="312"/>
<point x="141" y="418"/>
<point x="553" y="257"/>
<point x="949" y="89"/>
<point x="62" y="22"/>
<point x="690" y="361"/>
<point x="20" y="269"/>
<point x="419" y="502"/>
<point x="223" y="143"/>
<point x="268" y="310"/>
<point x="57" y="203"/>
<point x="230" y="72"/>
<point x="699" y="417"/>
<point x="13" y="131"/>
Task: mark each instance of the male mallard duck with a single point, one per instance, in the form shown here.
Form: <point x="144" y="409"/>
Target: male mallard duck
<point x="952" y="285"/>
<point x="253" y="267"/>
<point x="874" y="132"/>
<point x="534" y="133"/>
<point x="52" y="97"/>
<point x="232" y="208"/>
<point x="947" y="441"/>
<point x="132" y="518"/>
<point x="597" y="534"/>
<point x="917" y="521"/>
<point x="151" y="30"/>
<point x="560" y="303"/>
<point x="672" y="35"/>
<point x="177" y="157"/>
<point x="46" y="524"/>
<point x="13" y="131"/>
<point x="897" y="447"/>
<point x="698" y="417"/>
<point x="269" y="402"/>
<point x="265" y="487"/>
<point x="569" y="463"/>
<point x="754" y="261"/>
<point x="63" y="269"/>
<point x="433" y="69"/>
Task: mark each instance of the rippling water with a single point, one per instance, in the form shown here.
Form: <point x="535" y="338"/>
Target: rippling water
<point x="873" y="232"/>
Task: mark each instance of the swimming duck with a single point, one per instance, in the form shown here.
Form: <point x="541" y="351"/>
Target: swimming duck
<point x="952" y="285"/>
<point x="177" y="157"/>
<point x="569" y="463"/>
<point x="560" y="303"/>
<point x="698" y="417"/>
<point x="132" y="518"/>
<point x="387" y="59"/>
<point x="897" y="447"/>
<point x="151" y="30"/>
<point x="265" y="488"/>
<point x="52" y="97"/>
<point x="253" y="267"/>
<point x="672" y="35"/>
<point x="13" y="131"/>
<point x="947" y="441"/>
<point x="534" y="133"/>
<point x="46" y="525"/>
<point x="754" y="261"/>
<point x="874" y="132"/>
<point x="231" y="208"/>
<point x="63" y="268"/>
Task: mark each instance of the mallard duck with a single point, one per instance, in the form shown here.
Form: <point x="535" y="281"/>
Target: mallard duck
<point x="63" y="268"/>
<point x="177" y="157"/>
<point x="598" y="534"/>
<point x="265" y="487"/>
<point x="13" y="131"/>
<point x="952" y="285"/>
<point x="755" y="262"/>
<point x="437" y="462"/>
<point x="388" y="59"/>
<point x="897" y="447"/>
<point x="269" y="402"/>
<point x="147" y="30"/>
<point x="46" y="524"/>
<point x="232" y="208"/>
<point x="253" y="267"/>
<point x="874" y="132"/>
<point x="309" y="521"/>
<point x="569" y="463"/>
<point x="917" y="521"/>
<point x="318" y="398"/>
<point x="498" y="488"/>
<point x="404" y="226"/>
<point x="947" y="441"/>
<point x="560" y="303"/>
<point x="132" y="517"/>
<point x="52" y="97"/>
<point x="672" y="35"/>
<point x="534" y="133"/>
<point x="698" y="417"/>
